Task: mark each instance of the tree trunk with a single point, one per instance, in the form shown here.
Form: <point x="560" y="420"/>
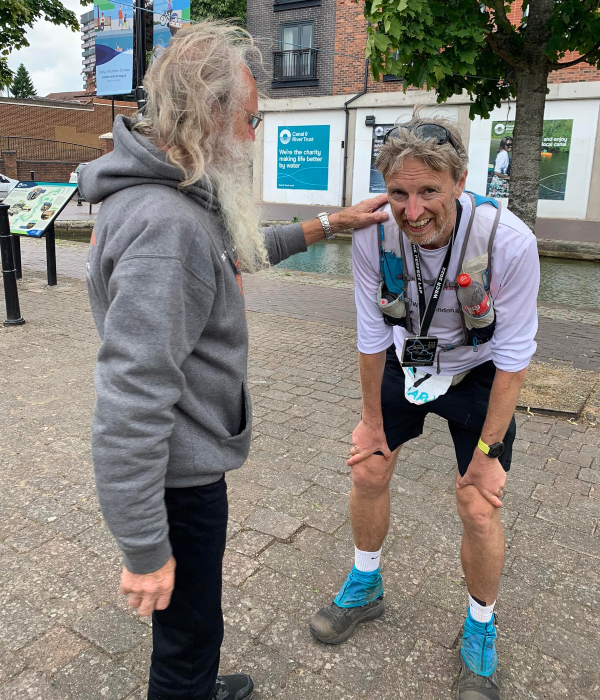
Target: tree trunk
<point x="527" y="145"/>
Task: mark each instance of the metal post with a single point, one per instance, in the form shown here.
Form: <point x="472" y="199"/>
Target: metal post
<point x="9" y="273"/>
<point x="51" y="255"/>
<point x="112" y="111"/>
<point x="140" y="54"/>
<point x="16" y="241"/>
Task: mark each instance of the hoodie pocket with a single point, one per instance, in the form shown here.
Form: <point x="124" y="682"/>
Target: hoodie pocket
<point x="245" y="427"/>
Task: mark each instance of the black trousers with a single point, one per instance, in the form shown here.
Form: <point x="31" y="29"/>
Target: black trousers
<point x="187" y="636"/>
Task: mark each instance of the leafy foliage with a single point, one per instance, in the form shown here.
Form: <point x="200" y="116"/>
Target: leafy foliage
<point x="218" y="9"/>
<point x="16" y="16"/>
<point x="455" y="45"/>
<point x="22" y="85"/>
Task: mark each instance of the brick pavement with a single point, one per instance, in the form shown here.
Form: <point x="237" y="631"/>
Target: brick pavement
<point x="66" y="635"/>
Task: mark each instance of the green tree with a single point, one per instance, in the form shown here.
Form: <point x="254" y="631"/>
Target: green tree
<point x="452" y="46"/>
<point x="218" y="9"/>
<point x="16" y="16"/>
<point x="22" y="85"/>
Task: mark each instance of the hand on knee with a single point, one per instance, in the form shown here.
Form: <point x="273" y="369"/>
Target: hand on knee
<point x="478" y="515"/>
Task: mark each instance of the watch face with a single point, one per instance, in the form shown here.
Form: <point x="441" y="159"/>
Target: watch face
<point x="496" y="450"/>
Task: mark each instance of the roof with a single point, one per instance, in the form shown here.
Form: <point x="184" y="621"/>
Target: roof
<point x="70" y="97"/>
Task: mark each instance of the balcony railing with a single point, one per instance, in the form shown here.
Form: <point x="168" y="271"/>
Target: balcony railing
<point x="296" y="65"/>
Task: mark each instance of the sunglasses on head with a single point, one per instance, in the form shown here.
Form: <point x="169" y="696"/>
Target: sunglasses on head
<point x="254" y="120"/>
<point x="425" y="132"/>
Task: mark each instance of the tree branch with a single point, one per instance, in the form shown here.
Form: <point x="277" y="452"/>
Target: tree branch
<point x="568" y="64"/>
<point x="501" y="18"/>
<point x="496" y="46"/>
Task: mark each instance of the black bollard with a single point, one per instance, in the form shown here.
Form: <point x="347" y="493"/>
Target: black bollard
<point x="9" y="272"/>
<point x="32" y="173"/>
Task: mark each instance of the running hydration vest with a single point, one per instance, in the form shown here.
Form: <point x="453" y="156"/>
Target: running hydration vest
<point x="475" y="258"/>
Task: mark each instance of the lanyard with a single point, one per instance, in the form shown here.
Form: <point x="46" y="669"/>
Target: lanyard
<point x="426" y="311"/>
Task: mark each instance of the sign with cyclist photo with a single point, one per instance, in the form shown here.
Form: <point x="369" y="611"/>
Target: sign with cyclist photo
<point x="169" y="16"/>
<point x="35" y="205"/>
<point x="376" y="184"/>
<point x="554" y="166"/>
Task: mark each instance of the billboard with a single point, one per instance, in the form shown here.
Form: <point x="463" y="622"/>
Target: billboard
<point x="554" y="167"/>
<point x="303" y="157"/>
<point x="35" y="205"/>
<point x="113" y="23"/>
<point x="169" y="16"/>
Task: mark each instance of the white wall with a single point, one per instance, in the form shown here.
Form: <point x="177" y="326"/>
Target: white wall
<point x="331" y="196"/>
<point x="584" y="114"/>
<point x="364" y="139"/>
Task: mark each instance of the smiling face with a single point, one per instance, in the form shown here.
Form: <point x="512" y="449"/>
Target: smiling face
<point x="423" y="202"/>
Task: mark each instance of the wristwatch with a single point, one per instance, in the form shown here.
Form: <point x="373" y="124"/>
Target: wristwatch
<point x="494" y="451"/>
<point x="324" y="219"/>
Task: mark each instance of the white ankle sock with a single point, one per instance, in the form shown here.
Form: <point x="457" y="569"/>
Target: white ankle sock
<point x="480" y="613"/>
<point x="366" y="561"/>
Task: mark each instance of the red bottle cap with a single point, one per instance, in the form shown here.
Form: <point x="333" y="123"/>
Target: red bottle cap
<point x="464" y="280"/>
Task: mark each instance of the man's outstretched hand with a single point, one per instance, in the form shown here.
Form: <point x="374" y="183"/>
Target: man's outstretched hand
<point x="359" y="215"/>
<point x="149" y="592"/>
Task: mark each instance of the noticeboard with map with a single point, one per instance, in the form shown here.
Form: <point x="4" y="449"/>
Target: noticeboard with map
<point x="35" y="205"/>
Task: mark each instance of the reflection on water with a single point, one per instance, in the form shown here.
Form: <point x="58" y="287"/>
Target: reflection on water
<point x="331" y="258"/>
<point x="574" y="282"/>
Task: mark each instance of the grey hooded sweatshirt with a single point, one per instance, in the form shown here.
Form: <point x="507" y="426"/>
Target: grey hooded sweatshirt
<point x="172" y="406"/>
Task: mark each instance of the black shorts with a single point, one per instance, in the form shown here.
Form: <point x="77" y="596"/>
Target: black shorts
<point x="464" y="406"/>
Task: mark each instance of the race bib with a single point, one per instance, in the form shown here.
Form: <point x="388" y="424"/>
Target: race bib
<point x="421" y="387"/>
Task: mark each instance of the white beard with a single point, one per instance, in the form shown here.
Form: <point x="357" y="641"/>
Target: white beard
<point x="232" y="180"/>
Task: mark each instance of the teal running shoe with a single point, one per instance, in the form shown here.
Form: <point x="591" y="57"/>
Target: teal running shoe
<point x="360" y="600"/>
<point x="360" y="588"/>
<point x="479" y="646"/>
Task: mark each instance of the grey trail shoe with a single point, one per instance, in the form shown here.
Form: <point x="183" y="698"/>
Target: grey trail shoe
<point x="474" y="687"/>
<point x="333" y="625"/>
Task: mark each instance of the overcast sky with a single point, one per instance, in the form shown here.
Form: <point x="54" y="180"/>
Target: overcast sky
<point x="54" y="58"/>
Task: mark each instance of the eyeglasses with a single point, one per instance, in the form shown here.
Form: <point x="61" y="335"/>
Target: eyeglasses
<point x="254" y="120"/>
<point x="424" y="132"/>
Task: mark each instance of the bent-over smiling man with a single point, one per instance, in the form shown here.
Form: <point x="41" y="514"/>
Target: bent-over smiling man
<point x="421" y="350"/>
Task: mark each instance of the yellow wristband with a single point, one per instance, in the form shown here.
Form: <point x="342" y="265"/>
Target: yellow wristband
<point x="483" y="447"/>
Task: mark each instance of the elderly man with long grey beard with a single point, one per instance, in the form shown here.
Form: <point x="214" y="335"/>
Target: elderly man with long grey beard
<point x="446" y="295"/>
<point x="177" y="227"/>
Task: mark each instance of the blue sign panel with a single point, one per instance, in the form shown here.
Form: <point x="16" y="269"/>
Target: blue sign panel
<point x="114" y="47"/>
<point x="303" y="157"/>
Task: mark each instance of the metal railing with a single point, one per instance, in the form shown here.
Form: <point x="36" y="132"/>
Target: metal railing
<point x="45" y="149"/>
<point x="294" y="65"/>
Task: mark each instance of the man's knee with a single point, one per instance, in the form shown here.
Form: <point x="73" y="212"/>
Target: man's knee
<point x="478" y="515"/>
<point x="372" y="475"/>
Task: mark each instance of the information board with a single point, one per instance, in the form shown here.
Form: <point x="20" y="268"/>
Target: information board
<point x="35" y="205"/>
<point x="303" y="157"/>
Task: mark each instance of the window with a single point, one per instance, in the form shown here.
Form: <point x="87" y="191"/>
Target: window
<point x="296" y="61"/>
<point x="391" y="78"/>
<point x="279" y="5"/>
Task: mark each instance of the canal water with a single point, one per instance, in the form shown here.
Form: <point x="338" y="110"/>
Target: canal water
<point x="573" y="282"/>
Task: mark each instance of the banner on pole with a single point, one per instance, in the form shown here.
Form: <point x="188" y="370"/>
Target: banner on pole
<point x="114" y="47"/>
<point x="169" y="17"/>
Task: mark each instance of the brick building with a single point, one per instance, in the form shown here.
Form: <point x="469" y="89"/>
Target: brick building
<point x="313" y="80"/>
<point x="51" y="137"/>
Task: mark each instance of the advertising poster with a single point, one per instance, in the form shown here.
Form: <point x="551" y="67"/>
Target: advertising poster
<point x="169" y="16"/>
<point x="376" y="184"/>
<point x="303" y="157"/>
<point x="554" y="166"/>
<point x="34" y="205"/>
<point x="114" y="47"/>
